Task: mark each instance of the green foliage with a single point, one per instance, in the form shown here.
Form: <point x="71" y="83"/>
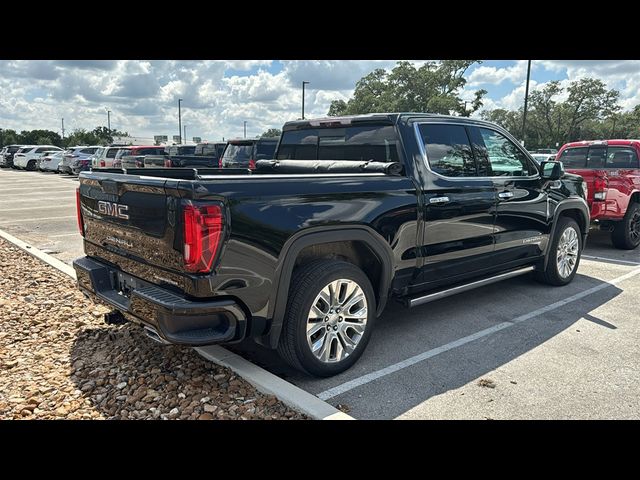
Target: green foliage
<point x="39" y="137"/>
<point x="8" y="137"/>
<point x="434" y="88"/>
<point x="272" y="132"/>
<point x="588" y="112"/>
<point x="98" y="136"/>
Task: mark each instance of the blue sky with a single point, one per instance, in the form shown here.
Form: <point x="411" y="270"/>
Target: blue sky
<point x="218" y="96"/>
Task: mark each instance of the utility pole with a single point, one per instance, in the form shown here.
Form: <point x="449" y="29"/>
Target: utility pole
<point x="613" y="130"/>
<point x="303" y="84"/>
<point x="109" y="120"/>
<point x="63" y="131"/>
<point x="179" y="121"/>
<point x="185" y="133"/>
<point x="245" y="129"/>
<point x="526" y="99"/>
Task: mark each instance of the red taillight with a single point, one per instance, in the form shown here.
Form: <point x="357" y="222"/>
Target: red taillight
<point x="167" y="163"/>
<point x="220" y="162"/>
<point x="102" y="163"/>
<point x="79" y="212"/>
<point x="600" y="185"/>
<point x="252" y="164"/>
<point x="202" y="233"/>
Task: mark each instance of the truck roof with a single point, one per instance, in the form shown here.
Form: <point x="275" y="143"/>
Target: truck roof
<point x="587" y="143"/>
<point x="372" y="117"/>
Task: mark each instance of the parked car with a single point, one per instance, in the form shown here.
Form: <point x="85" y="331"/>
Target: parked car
<point x="26" y="158"/>
<point x="611" y="169"/>
<point x="160" y="160"/>
<point x="117" y="162"/>
<point x="134" y="156"/>
<point x="77" y="156"/>
<point x="104" y="157"/>
<point x="205" y="155"/>
<point x="243" y="153"/>
<point x="45" y="154"/>
<point x="543" y="157"/>
<point x="303" y="253"/>
<point x="548" y="151"/>
<point x="50" y="162"/>
<point x="6" y="157"/>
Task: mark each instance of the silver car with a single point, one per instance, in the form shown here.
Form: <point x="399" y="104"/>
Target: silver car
<point x="75" y="154"/>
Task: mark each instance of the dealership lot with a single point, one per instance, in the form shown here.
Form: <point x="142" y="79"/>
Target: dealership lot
<point x="537" y="351"/>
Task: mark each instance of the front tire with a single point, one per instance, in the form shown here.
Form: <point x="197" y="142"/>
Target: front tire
<point x="626" y="233"/>
<point x="564" y="254"/>
<point x="329" y="318"/>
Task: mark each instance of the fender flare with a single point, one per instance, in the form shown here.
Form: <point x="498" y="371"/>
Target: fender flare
<point x="315" y="236"/>
<point x="578" y="204"/>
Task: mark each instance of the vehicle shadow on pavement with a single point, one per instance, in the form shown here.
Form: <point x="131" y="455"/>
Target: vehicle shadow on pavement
<point x="126" y="375"/>
<point x="392" y="395"/>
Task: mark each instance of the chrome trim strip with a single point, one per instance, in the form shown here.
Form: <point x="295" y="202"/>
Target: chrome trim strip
<point x="432" y="297"/>
<point x="423" y="152"/>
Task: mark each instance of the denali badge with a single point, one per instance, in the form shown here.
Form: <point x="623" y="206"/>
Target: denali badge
<point x="113" y="209"/>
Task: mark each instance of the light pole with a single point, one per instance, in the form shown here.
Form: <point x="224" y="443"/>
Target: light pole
<point x="179" y="122"/>
<point x="303" y="84"/>
<point x="245" y="129"/>
<point x="109" y="119"/>
<point x="526" y="99"/>
<point x="185" y="133"/>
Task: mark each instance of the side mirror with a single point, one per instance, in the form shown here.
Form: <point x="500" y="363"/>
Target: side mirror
<point x="552" y="170"/>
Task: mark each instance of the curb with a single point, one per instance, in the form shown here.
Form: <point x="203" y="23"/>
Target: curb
<point x="261" y="379"/>
<point x="39" y="254"/>
<point x="269" y="383"/>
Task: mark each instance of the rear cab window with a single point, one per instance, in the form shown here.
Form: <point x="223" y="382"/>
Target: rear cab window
<point x="352" y="143"/>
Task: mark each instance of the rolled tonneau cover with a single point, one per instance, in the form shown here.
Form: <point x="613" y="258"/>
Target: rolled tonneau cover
<point x="329" y="166"/>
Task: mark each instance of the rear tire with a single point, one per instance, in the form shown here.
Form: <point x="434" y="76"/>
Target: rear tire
<point x="326" y="337"/>
<point x="626" y="233"/>
<point x="31" y="165"/>
<point x="564" y="254"/>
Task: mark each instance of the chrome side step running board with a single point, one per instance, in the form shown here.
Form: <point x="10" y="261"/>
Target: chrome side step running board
<point x="432" y="297"/>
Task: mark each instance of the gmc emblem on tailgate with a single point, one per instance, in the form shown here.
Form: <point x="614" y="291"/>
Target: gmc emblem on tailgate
<point x="113" y="209"/>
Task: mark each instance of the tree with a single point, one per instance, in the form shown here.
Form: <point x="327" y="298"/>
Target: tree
<point x="34" y="137"/>
<point x="434" y="87"/>
<point x="589" y="112"/>
<point x="272" y="132"/>
<point x="105" y="135"/>
<point x="8" y="137"/>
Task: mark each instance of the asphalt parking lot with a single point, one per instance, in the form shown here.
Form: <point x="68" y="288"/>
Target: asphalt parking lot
<point x="513" y="350"/>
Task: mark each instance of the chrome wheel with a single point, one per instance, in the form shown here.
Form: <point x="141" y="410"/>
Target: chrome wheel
<point x="567" y="253"/>
<point x="337" y="320"/>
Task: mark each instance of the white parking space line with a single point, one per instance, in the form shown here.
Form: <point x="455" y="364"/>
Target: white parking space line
<point x="65" y="235"/>
<point x="370" y="377"/>
<point x="60" y="205"/>
<point x="612" y="260"/>
<point x="38" y="188"/>
<point x="12" y="200"/>
<point x="22" y="220"/>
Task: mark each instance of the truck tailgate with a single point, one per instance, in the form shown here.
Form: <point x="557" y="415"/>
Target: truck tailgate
<point x="131" y="221"/>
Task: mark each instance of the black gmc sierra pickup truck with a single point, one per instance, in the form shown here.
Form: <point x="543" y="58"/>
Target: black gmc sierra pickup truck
<point x="303" y="253"/>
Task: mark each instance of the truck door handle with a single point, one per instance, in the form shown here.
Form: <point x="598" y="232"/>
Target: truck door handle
<point x="439" y="200"/>
<point x="505" y="194"/>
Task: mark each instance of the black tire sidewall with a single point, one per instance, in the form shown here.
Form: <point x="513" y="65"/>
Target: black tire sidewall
<point x="306" y="357"/>
<point x="624" y="235"/>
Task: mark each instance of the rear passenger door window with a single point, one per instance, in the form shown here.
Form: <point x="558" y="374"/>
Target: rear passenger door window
<point x="501" y="157"/>
<point x="448" y="150"/>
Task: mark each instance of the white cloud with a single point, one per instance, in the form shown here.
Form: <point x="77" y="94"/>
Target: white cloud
<point x="494" y="76"/>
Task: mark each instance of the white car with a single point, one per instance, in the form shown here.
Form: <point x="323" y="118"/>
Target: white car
<point x="26" y="158"/>
<point x="543" y="157"/>
<point x="49" y="163"/>
<point x="104" y="158"/>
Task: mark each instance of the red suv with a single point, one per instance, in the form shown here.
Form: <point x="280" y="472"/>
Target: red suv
<point x="612" y="171"/>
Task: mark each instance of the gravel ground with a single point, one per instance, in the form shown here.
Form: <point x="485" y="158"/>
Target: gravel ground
<point x="59" y="360"/>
